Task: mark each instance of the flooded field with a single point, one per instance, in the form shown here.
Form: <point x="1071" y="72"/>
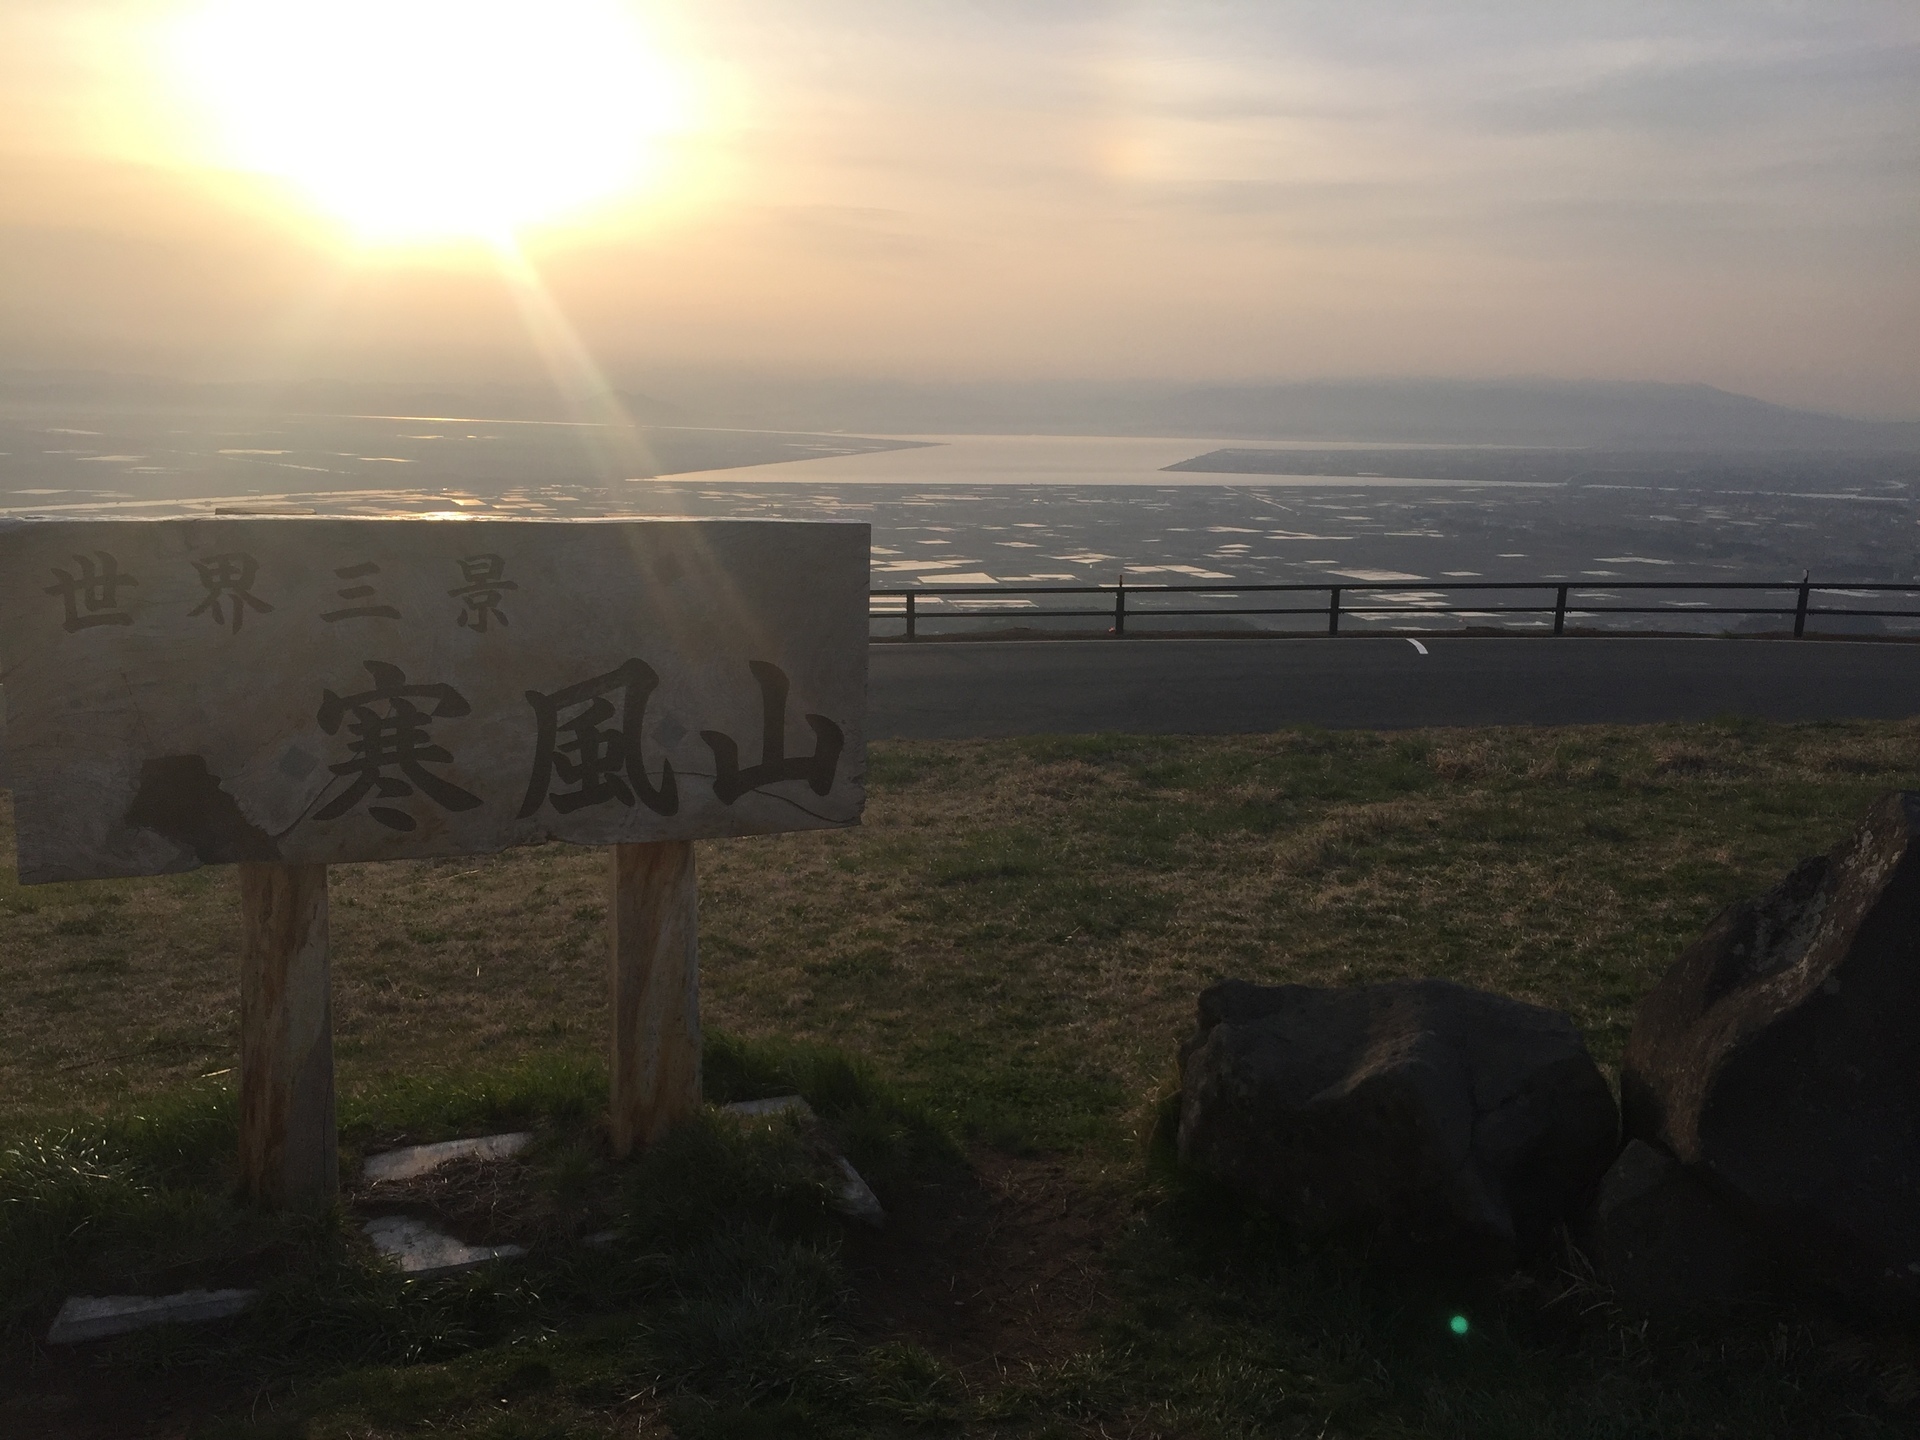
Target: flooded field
<point x="999" y="513"/>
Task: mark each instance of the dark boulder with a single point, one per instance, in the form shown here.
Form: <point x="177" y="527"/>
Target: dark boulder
<point x="1664" y="1241"/>
<point x="1780" y="1060"/>
<point x="1444" y="1122"/>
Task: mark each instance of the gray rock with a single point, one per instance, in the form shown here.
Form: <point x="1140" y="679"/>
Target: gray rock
<point x="1450" y="1124"/>
<point x="94" y="1317"/>
<point x="1780" y="1060"/>
<point x="1662" y="1239"/>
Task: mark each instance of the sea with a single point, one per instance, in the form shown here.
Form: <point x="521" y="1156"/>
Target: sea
<point x="976" y="523"/>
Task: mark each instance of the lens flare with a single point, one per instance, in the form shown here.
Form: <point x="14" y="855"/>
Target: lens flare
<point x="425" y="119"/>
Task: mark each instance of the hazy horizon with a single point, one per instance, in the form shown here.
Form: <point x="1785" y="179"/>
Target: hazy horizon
<point x="1641" y="416"/>
<point x="1226" y="194"/>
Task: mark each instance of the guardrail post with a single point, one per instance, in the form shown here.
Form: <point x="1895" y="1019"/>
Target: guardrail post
<point x="910" y="615"/>
<point x="1560" y="612"/>
<point x="1120" y="606"/>
<point x="1333" y="610"/>
<point x="1800" y="610"/>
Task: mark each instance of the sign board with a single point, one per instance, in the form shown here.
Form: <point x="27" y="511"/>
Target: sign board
<point x="309" y="691"/>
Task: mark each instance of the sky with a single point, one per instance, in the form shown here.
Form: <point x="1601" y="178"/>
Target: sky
<point x="426" y="191"/>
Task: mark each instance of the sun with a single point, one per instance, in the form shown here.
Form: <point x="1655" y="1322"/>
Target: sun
<point x="422" y="120"/>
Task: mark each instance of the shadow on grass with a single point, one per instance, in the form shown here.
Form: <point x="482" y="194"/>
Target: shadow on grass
<point x="1231" y="1319"/>
<point x="724" y="1306"/>
<point x="720" y="1302"/>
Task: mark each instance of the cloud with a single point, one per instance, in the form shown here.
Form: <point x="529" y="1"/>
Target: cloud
<point x="1723" y="192"/>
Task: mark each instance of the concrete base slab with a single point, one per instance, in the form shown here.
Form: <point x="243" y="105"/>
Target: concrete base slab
<point x="779" y="1105"/>
<point x="413" y="1161"/>
<point x="853" y="1197"/>
<point x="419" y="1249"/>
<point x="94" y="1317"/>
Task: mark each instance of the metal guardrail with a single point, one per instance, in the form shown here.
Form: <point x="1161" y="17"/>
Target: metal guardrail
<point x="1126" y="601"/>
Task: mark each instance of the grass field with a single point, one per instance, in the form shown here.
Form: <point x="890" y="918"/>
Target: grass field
<point x="981" y="990"/>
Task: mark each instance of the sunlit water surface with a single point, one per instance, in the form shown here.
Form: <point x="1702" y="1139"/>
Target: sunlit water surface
<point x="1002" y="511"/>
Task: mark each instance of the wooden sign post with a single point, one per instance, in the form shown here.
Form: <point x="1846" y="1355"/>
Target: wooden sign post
<point x="286" y="694"/>
<point x="289" y="1151"/>
<point x="653" y="989"/>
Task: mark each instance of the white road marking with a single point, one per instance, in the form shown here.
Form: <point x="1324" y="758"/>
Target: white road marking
<point x="1418" y="646"/>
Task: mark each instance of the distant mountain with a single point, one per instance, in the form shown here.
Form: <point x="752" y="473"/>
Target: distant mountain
<point x="1630" y="416"/>
<point x="1612" y="415"/>
<point x="1440" y="412"/>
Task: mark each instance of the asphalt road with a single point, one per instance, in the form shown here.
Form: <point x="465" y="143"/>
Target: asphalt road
<point x="1222" y="687"/>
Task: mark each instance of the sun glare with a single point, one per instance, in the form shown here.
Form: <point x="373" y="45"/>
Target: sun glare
<point x="420" y="120"/>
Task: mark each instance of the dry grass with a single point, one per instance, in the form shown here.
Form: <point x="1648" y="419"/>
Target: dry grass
<point x="1019" y="929"/>
<point x="1015" y="937"/>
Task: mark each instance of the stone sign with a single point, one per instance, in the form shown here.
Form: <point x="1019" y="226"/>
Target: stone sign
<point x="308" y="691"/>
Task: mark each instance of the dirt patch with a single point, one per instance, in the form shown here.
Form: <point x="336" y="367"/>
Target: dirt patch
<point x="997" y="1265"/>
<point x="482" y="1202"/>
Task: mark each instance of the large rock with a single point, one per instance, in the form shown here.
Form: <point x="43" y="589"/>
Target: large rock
<point x="1446" y="1122"/>
<point x="1780" y="1060"/>
<point x="1663" y="1240"/>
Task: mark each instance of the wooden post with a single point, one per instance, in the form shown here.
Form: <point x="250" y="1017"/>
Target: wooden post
<point x="653" y="989"/>
<point x="289" y="1148"/>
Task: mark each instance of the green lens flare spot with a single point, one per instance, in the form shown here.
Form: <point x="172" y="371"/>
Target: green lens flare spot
<point x="1458" y="1325"/>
